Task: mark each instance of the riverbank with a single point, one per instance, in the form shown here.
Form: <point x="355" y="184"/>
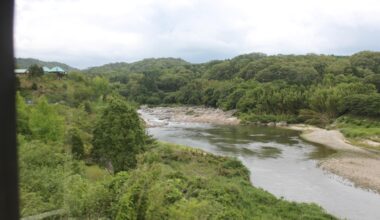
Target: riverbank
<point x="356" y="164"/>
<point x="186" y="183"/>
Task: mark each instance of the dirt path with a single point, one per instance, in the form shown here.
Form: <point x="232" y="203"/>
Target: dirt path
<point x="354" y="163"/>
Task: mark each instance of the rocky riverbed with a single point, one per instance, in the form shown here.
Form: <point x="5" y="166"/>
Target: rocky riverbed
<point x="164" y="115"/>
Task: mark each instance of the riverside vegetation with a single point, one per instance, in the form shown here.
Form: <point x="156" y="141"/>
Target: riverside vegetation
<point x="334" y="91"/>
<point x="83" y="149"/>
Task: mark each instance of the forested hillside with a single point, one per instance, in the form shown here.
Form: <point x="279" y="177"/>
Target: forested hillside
<point x="84" y="150"/>
<point x="314" y="89"/>
<point x="24" y="63"/>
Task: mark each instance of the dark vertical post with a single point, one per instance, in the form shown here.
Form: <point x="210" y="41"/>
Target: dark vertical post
<point x="8" y="152"/>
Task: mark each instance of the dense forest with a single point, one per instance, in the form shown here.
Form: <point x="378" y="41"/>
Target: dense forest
<point x="314" y="89"/>
<point x="84" y="150"/>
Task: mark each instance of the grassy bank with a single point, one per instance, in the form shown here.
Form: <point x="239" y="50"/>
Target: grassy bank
<point x="169" y="182"/>
<point x="361" y="131"/>
<point x="175" y="182"/>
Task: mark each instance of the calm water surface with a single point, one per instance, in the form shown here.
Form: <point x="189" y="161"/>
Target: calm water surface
<point x="279" y="162"/>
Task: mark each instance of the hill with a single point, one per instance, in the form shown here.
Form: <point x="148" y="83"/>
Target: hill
<point x="26" y="62"/>
<point x="146" y="65"/>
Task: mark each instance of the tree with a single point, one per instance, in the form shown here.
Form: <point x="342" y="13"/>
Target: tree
<point x="77" y="147"/>
<point x="22" y="115"/>
<point x="45" y="123"/>
<point x="43" y="169"/>
<point x="101" y="86"/>
<point x="330" y="100"/>
<point x="118" y="136"/>
<point x="363" y="104"/>
<point x="35" y="70"/>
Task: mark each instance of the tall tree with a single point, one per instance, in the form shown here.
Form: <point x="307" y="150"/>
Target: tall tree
<point x="35" y="70"/>
<point x="118" y="136"/>
<point x="45" y="123"/>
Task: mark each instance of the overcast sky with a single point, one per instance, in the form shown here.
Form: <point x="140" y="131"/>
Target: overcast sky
<point x="86" y="33"/>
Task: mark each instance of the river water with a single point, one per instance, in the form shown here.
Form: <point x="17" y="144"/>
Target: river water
<point x="279" y="162"/>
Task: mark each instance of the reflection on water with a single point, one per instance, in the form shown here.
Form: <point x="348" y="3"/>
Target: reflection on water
<point x="280" y="162"/>
<point x="262" y="142"/>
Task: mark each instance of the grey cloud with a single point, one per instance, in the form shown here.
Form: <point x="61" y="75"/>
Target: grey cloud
<point x="85" y="33"/>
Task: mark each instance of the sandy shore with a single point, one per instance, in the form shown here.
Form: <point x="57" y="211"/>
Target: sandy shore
<point x="162" y="115"/>
<point x="354" y="163"/>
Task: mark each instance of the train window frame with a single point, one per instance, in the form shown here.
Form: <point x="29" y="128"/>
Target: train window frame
<point x="9" y="195"/>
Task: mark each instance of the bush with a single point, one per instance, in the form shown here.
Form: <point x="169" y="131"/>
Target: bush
<point x="34" y="86"/>
<point x="314" y="118"/>
<point x="42" y="171"/>
<point x="266" y="118"/>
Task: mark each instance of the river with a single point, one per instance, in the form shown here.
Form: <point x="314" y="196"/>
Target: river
<point x="280" y="162"/>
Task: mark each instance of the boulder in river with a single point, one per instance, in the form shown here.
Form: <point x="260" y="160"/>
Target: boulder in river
<point x="282" y="124"/>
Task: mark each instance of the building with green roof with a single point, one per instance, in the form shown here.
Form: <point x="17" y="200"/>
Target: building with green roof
<point x="57" y="70"/>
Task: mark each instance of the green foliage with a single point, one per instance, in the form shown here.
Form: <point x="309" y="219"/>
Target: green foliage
<point x="363" y="127"/>
<point x="252" y="83"/>
<point x="42" y="174"/>
<point x="22" y="116"/>
<point x="331" y="100"/>
<point x="191" y="93"/>
<point x="87" y="107"/>
<point x="118" y="136"/>
<point x="81" y="94"/>
<point x="77" y="147"/>
<point x="17" y="84"/>
<point x="291" y="73"/>
<point x="45" y="123"/>
<point x="173" y="182"/>
<point x="314" y="118"/>
<point x="35" y="70"/>
<point x="101" y="86"/>
<point x="221" y="71"/>
<point x="86" y="199"/>
<point x="95" y="173"/>
<point x="27" y="62"/>
<point x="366" y="60"/>
<point x="34" y="86"/>
<point x="373" y="79"/>
<point x="363" y="104"/>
